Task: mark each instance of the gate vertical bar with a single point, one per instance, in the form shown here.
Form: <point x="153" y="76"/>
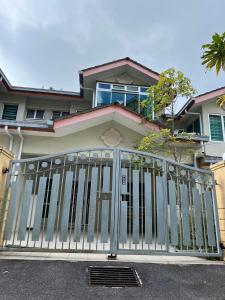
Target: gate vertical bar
<point x="115" y="201"/>
<point x="165" y="191"/>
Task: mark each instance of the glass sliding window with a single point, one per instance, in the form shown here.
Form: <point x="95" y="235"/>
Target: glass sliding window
<point x="103" y="98"/>
<point x="132" y="102"/>
<point x="127" y="95"/>
<point x="216" y="128"/>
<point x="39" y="114"/>
<point x="118" y="97"/>
<point x="105" y="86"/>
<point x="65" y="113"/>
<point x="58" y="114"/>
<point x="143" y="89"/>
<point x="30" y="113"/>
<point x="118" y="87"/>
<point x="131" y="88"/>
<point x="36" y="114"/>
<point x="9" y="112"/>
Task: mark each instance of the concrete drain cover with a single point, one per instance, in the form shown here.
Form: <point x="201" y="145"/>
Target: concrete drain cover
<point x="111" y="276"/>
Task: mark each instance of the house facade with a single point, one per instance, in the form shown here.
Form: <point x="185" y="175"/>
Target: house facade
<point x="66" y="195"/>
<point x="105" y="112"/>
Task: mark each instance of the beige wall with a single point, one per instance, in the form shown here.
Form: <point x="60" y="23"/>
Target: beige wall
<point x="5" y="158"/>
<point x="89" y="138"/>
<point x="219" y="172"/>
<point x="84" y="139"/>
<point x="212" y="148"/>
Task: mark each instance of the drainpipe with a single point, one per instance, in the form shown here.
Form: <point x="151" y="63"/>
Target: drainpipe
<point x="201" y="129"/>
<point x="10" y="138"/>
<point x="21" y="142"/>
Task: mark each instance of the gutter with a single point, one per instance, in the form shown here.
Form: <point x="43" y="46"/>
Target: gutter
<point x="10" y="138"/>
<point x="21" y="142"/>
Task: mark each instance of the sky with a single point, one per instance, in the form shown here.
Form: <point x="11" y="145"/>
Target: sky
<point x="45" y="43"/>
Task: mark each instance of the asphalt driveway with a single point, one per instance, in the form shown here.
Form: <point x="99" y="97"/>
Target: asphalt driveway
<point x="67" y="280"/>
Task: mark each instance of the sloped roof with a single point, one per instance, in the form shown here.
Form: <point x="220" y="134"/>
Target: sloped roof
<point x="125" y="59"/>
<point x="50" y="92"/>
<point x="101" y="113"/>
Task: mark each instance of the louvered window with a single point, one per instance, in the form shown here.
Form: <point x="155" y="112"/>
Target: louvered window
<point x="9" y="112"/>
<point x="216" y="127"/>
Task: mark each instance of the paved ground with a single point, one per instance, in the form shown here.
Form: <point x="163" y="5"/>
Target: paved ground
<point x="157" y="259"/>
<point x="21" y="279"/>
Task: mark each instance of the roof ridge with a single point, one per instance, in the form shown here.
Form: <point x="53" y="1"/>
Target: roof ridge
<point x="118" y="60"/>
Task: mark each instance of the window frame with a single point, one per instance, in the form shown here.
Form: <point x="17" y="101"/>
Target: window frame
<point x="35" y="113"/>
<point x="222" y="117"/>
<point x="2" y="110"/>
<point x="60" y="111"/>
<point x="123" y="91"/>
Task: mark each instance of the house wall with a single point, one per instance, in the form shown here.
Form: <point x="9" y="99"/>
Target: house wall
<point x="45" y="103"/>
<point x="212" y="148"/>
<point x="39" y="145"/>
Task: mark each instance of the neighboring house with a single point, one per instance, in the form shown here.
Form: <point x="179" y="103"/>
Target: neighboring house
<point x="106" y="112"/>
<point x="203" y="116"/>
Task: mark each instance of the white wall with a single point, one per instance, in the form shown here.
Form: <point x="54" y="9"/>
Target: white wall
<point x="42" y="102"/>
<point x="212" y="148"/>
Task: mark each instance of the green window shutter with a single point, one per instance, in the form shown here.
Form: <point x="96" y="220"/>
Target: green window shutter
<point x="216" y="128"/>
<point x="9" y="112"/>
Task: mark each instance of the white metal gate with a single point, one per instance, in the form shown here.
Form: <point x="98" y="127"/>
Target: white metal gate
<point x="110" y="200"/>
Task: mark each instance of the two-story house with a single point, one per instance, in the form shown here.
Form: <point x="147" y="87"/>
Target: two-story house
<point x="105" y="112"/>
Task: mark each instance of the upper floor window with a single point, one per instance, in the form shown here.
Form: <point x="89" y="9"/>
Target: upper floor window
<point x="58" y="114"/>
<point x="9" y="112"/>
<point x="217" y="127"/>
<point x="35" y="114"/>
<point x="194" y="127"/>
<point x="127" y="95"/>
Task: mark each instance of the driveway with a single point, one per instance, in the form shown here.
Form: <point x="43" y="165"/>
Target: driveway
<point x="21" y="279"/>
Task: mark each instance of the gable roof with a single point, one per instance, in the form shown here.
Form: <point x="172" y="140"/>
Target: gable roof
<point x="103" y="114"/>
<point x="121" y="60"/>
<point x="127" y="61"/>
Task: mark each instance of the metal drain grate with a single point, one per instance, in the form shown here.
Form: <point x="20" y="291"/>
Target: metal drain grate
<point x="111" y="276"/>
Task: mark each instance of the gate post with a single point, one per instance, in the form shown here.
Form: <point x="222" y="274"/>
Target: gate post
<point x="219" y="174"/>
<point x="5" y="158"/>
<point x="115" y="203"/>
